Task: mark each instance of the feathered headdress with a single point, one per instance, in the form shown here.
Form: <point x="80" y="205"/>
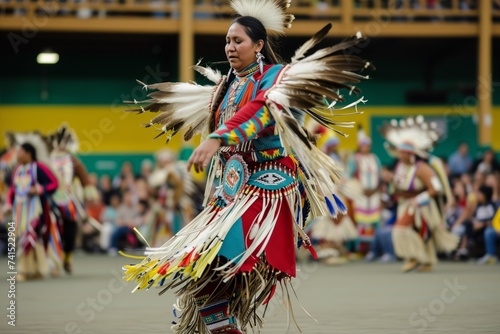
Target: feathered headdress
<point x="412" y="135"/>
<point x="363" y="139"/>
<point x="64" y="138"/>
<point x="271" y="13"/>
<point x="39" y="141"/>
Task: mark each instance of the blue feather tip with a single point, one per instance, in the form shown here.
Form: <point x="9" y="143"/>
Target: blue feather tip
<point x="330" y="206"/>
<point x="340" y="205"/>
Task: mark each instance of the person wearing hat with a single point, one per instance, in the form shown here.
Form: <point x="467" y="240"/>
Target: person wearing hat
<point x="68" y="168"/>
<point x="421" y="186"/>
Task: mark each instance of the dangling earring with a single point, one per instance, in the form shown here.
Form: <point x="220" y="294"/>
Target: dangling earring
<point x="260" y="60"/>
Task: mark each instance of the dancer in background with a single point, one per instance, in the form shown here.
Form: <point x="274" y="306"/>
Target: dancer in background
<point x="268" y="176"/>
<point x="422" y="189"/>
<point x="364" y="172"/>
<point x="28" y="200"/>
<point x="174" y="190"/>
<point x="332" y="233"/>
<point x="67" y="168"/>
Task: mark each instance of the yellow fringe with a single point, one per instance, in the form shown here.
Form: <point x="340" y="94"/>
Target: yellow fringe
<point x="136" y="257"/>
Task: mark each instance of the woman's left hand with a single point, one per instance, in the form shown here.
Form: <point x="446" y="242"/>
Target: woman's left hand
<point x="201" y="156"/>
<point x="33" y="191"/>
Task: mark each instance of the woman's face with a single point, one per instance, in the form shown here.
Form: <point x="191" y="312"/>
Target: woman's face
<point x="240" y="49"/>
<point x="404" y="156"/>
<point x="105" y="182"/>
<point x="365" y="148"/>
<point x="23" y="157"/>
<point x="488" y="156"/>
<point x="491" y="181"/>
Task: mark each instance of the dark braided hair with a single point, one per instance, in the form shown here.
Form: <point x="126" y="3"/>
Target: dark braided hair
<point x="30" y="149"/>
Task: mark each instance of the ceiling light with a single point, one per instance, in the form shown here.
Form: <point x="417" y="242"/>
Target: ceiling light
<point x="47" y="58"/>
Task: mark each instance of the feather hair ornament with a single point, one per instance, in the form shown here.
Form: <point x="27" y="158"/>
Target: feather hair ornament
<point x="411" y="134"/>
<point x="65" y="138"/>
<point x="271" y="13"/>
<point x="40" y="142"/>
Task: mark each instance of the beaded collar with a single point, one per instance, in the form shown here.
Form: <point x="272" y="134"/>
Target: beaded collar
<point x="248" y="71"/>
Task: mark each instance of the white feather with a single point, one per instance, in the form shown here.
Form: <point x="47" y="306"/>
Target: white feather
<point x="213" y="75"/>
<point x="268" y="12"/>
<point x="415" y="132"/>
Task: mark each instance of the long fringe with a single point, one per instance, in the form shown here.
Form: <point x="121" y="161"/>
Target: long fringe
<point x="408" y="244"/>
<point x="325" y="229"/>
<point x="186" y="256"/>
<point x="444" y="240"/>
<point x="246" y="293"/>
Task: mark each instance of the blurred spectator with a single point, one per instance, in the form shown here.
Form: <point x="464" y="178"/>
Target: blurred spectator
<point x="142" y="190"/>
<point x="467" y="182"/>
<point x="322" y="8"/>
<point x="126" y="219"/>
<point x="491" y="237"/>
<point x="90" y="233"/>
<point x="93" y="179"/>
<point x="108" y="220"/>
<point x="126" y="177"/>
<point x="146" y="168"/>
<point x="145" y="213"/>
<point x="487" y="164"/>
<point x="483" y="217"/>
<point x="106" y="189"/>
<point x="382" y="245"/>
<point x="95" y="208"/>
<point x="493" y="181"/>
<point x="460" y="162"/>
<point x="457" y="215"/>
<point x="467" y="244"/>
<point x="467" y="4"/>
<point x="460" y="194"/>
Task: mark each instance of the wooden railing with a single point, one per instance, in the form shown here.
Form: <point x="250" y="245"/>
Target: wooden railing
<point x="158" y="16"/>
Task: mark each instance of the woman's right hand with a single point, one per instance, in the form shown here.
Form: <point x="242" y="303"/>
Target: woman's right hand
<point x="33" y="191"/>
<point x="7" y="210"/>
<point x="201" y="156"/>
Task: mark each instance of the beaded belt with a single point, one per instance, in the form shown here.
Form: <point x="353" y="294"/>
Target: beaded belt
<point x="259" y="150"/>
